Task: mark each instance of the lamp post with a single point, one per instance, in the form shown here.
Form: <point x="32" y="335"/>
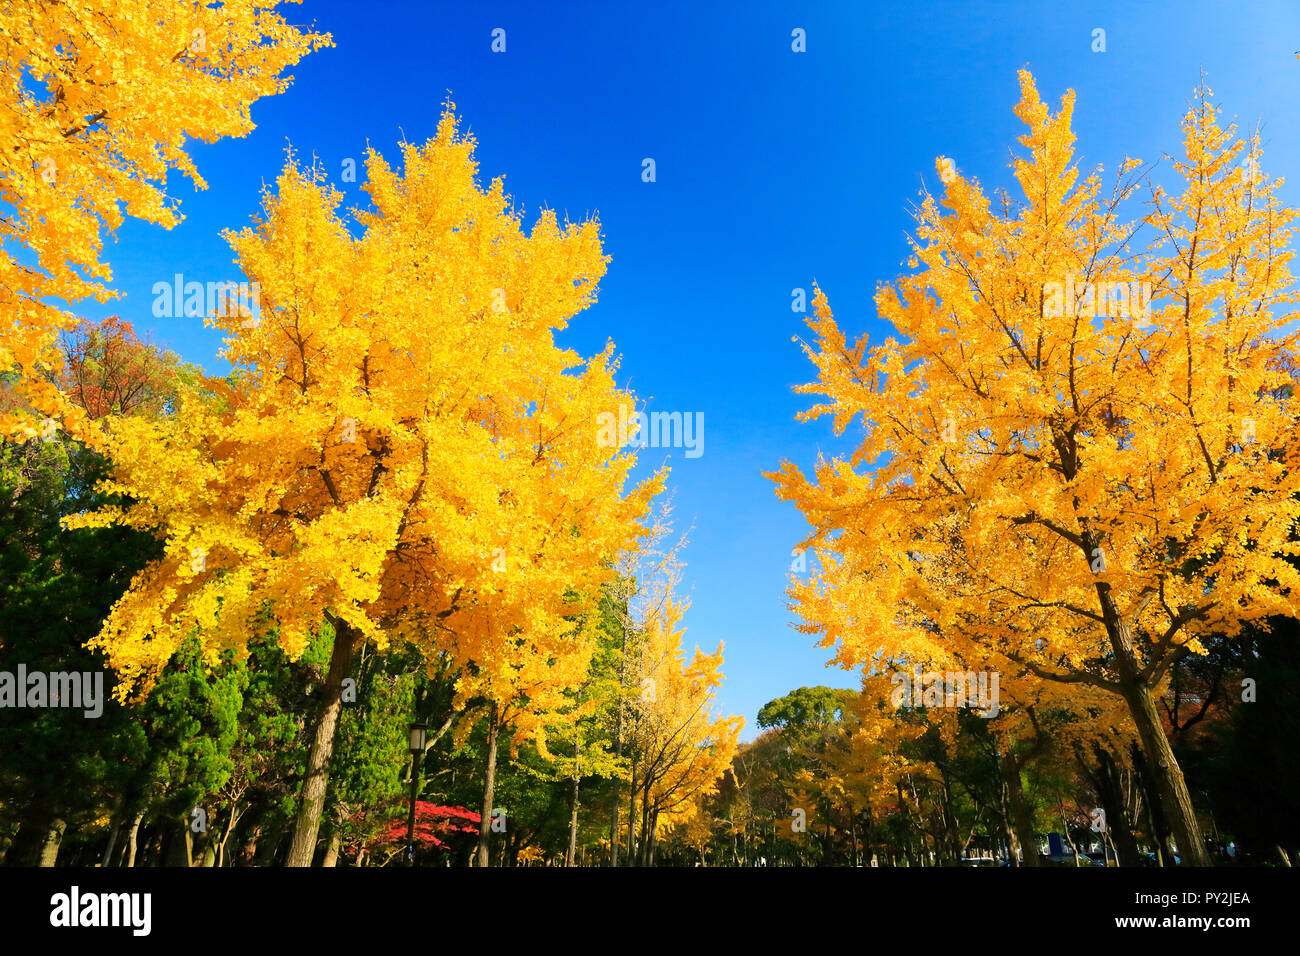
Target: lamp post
<point x="419" y="734"/>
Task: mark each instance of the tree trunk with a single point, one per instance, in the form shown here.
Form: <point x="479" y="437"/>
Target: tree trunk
<point x="868" y="851"/>
<point x="951" y="838"/>
<point x="165" y="843"/>
<point x="1008" y="837"/>
<point x="573" y="825"/>
<point x="53" y="840"/>
<point x="1022" y="821"/>
<point x="235" y="814"/>
<point x="652" y="839"/>
<point x="1151" y="801"/>
<point x="646" y="835"/>
<point x="248" y="855"/>
<point x="107" y="857"/>
<point x="631" y="820"/>
<point x="153" y="849"/>
<point x="618" y="750"/>
<point x="133" y="837"/>
<point x="1065" y="828"/>
<point x="312" y="798"/>
<point x="1112" y="801"/>
<point x="25" y="850"/>
<point x="489" y="787"/>
<point x="613" y="833"/>
<point x="1174" y="796"/>
<point x="332" y="854"/>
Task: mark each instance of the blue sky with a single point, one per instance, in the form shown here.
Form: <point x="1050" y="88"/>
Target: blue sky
<point x="773" y="168"/>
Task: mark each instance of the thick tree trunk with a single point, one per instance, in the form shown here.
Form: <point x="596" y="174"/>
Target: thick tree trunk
<point x="1170" y="783"/>
<point x="1174" y="797"/>
<point x="311" y="801"/>
<point x="489" y="788"/>
<point x="1022" y="821"/>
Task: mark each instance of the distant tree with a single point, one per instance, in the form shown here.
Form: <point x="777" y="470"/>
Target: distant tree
<point x="107" y="370"/>
<point x="805" y="709"/>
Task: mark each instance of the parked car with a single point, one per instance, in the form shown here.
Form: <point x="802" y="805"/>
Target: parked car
<point x="1063" y="859"/>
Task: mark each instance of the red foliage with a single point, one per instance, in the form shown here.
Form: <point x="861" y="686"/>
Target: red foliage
<point x="432" y="824"/>
<point x="107" y="369"/>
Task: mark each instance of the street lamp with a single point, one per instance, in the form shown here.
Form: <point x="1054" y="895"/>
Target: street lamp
<point x="419" y="735"/>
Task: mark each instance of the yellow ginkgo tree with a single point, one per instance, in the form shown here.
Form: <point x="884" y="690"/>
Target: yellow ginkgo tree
<point x="405" y="453"/>
<point x="679" y="745"/>
<point x="1079" y="453"/>
<point x="100" y="99"/>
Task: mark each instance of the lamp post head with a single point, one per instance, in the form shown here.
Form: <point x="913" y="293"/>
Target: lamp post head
<point x="419" y="737"/>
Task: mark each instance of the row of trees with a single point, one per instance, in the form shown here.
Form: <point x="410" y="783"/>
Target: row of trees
<point x="844" y="778"/>
<point x="207" y="767"/>
<point x="395" y="507"/>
